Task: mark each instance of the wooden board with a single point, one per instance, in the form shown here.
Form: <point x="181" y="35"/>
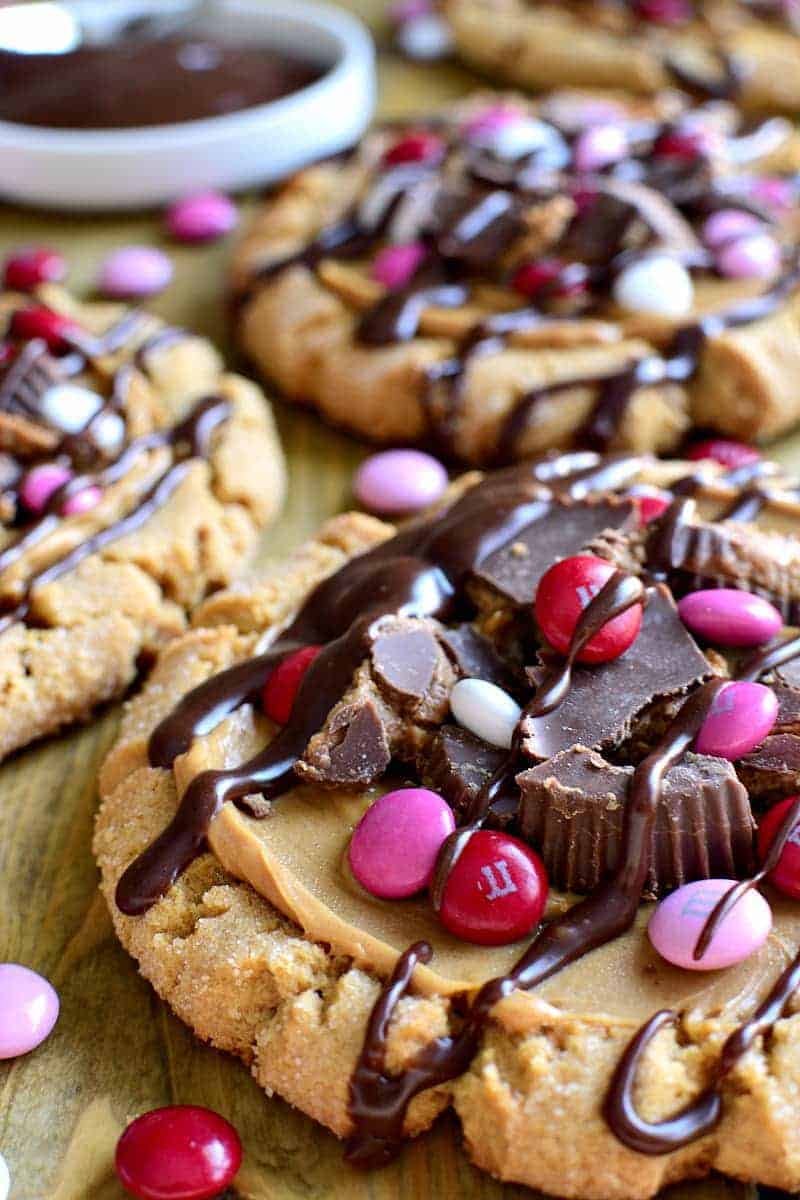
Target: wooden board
<point x="117" y="1050"/>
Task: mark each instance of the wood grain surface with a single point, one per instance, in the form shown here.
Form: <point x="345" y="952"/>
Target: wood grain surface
<point x="117" y="1051"/>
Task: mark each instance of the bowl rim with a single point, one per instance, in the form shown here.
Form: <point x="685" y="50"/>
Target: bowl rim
<point x="355" y="50"/>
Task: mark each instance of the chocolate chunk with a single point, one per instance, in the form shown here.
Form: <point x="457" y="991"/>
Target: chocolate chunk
<point x="573" y="808"/>
<point x="788" y="720"/>
<point x="604" y="700"/>
<point x="789" y="673"/>
<point x="563" y="529"/>
<point x="458" y="765"/>
<point x="772" y="770"/>
<point x="356" y="750"/>
<point x="475" y="656"/>
<point x="405" y="660"/>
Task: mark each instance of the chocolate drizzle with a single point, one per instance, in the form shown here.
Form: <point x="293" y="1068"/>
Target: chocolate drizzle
<point x="189" y="439"/>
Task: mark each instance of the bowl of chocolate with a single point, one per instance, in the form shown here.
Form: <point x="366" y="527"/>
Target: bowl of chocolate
<point x="133" y="103"/>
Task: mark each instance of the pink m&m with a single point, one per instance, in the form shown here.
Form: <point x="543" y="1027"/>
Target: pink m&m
<point x="421" y="146"/>
<point x="28" y="1009"/>
<point x="399" y="481"/>
<point x="202" y="217"/>
<point x="679" y="920"/>
<point x="741" y="716"/>
<point x="135" y="271"/>
<point x="26" y="269"/>
<point x="483" y="127"/>
<point x="395" y="265"/>
<point x="83" y="501"/>
<point x="756" y="256"/>
<point x="40" y="483"/>
<point x="786" y="876"/>
<point x="599" y="146"/>
<point x="394" y="846"/>
<point x="496" y="890"/>
<point x="728" y="617"/>
<point x="181" y="1152"/>
<point x="728" y="223"/>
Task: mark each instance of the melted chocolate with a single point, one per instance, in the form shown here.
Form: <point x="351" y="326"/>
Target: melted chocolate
<point x="141" y="81"/>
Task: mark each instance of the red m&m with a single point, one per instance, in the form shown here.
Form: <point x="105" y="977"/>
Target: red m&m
<point x="181" y="1152"/>
<point x="40" y="322"/>
<point x="726" y="452"/>
<point x="495" y="892"/>
<point x="31" y="266"/>
<point x="414" y="147"/>
<point x="284" y="683"/>
<point x="786" y="876"/>
<point x="564" y="591"/>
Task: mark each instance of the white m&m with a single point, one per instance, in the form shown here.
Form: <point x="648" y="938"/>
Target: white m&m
<point x="69" y="407"/>
<point x="485" y="710"/>
<point x="655" y="284"/>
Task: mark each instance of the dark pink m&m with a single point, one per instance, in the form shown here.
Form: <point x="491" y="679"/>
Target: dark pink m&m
<point x="726" y="452"/>
<point x="181" y="1152"/>
<point x="283" y="684"/>
<point x="496" y="891"/>
<point x="31" y="266"/>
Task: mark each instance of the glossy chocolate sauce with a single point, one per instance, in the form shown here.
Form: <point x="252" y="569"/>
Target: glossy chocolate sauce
<point x="143" y="81"/>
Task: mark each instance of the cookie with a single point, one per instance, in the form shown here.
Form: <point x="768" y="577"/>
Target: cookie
<point x="726" y="49"/>
<point x="242" y="873"/>
<point x="135" y="476"/>
<point x="511" y="278"/>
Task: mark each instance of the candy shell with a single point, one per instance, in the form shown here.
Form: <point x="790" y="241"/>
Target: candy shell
<point x="756" y="256"/>
<point x="394" y="847"/>
<point x="600" y="146"/>
<point x="664" y="12"/>
<point x="134" y="271"/>
<point x="740" y="718"/>
<point x="69" y="407"/>
<point x="419" y="146"/>
<point x="36" y="321"/>
<point x="728" y="617"/>
<point x="482" y="128"/>
<point x="728" y="223"/>
<point x="395" y="265"/>
<point x="485" y="710"/>
<point x="202" y="217"/>
<point x="108" y="431"/>
<point x="28" y="1009"/>
<point x="564" y="591"/>
<point x="679" y="919"/>
<point x="31" y="266"/>
<point x="726" y="452"/>
<point x="655" y="284"/>
<point x="283" y="684"/>
<point x="181" y="1152"/>
<point x="39" y="484"/>
<point x="786" y="876"/>
<point x="495" y="892"/>
<point x="5" y="1179"/>
<point x="83" y="501"/>
<point x="399" y="481"/>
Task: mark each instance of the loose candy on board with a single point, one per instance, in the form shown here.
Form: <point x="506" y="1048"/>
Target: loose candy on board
<point x="28" y="1009"/>
<point x="424" y="38"/>
<point x="485" y="710"/>
<point x="394" y="847"/>
<point x="728" y="617"/>
<point x="30" y="266"/>
<point x="133" y="272"/>
<point x="655" y="284"/>
<point x="677" y="923"/>
<point x="741" y="716"/>
<point x="202" y="217"/>
<point x="564" y="591"/>
<point x="181" y="1152"/>
<point x="786" y="876"/>
<point x="397" y="482"/>
<point x="495" y="892"/>
<point x="283" y="684"/>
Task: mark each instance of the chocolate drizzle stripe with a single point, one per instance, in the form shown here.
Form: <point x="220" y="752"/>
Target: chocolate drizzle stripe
<point x="191" y="437"/>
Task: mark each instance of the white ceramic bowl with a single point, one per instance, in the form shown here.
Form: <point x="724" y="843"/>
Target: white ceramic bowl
<point x="135" y="168"/>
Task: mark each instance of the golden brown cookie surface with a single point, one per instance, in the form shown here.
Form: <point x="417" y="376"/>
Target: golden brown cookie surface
<point x="136" y="476"/>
